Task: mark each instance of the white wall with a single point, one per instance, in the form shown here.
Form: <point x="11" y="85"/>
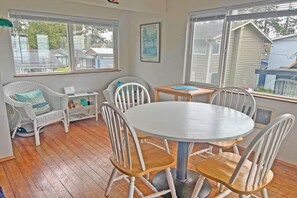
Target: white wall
<point x="170" y="70"/>
<point x="5" y="143"/>
<point x="81" y="82"/>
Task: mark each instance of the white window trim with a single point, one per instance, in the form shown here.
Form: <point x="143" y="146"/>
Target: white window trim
<point x="69" y="20"/>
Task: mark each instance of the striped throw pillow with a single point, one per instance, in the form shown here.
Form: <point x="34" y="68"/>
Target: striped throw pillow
<point x="39" y="104"/>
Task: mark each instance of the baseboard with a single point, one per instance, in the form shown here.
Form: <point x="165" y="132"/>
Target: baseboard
<point x="7" y="158"/>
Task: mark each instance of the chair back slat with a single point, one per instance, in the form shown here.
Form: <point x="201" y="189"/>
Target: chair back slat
<point x="235" y="98"/>
<point x="265" y="146"/>
<point x="119" y="133"/>
<point x="131" y="94"/>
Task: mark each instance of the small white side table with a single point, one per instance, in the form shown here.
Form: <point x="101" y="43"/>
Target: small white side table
<point x="83" y="112"/>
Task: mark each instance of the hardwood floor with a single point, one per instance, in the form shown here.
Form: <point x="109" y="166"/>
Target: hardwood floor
<point x="77" y="165"/>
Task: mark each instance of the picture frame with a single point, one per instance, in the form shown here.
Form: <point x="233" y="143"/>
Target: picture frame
<point x="150" y="42"/>
<point x="263" y="116"/>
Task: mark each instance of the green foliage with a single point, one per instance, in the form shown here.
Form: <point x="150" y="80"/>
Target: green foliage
<point x="56" y="32"/>
<point x="263" y="90"/>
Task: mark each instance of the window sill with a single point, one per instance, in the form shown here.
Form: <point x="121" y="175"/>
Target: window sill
<point x="258" y="95"/>
<point x="67" y="73"/>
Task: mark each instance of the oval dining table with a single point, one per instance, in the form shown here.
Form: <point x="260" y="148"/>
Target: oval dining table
<point x="187" y="122"/>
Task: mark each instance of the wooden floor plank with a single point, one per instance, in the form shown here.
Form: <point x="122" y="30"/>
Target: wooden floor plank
<point x="77" y="165"/>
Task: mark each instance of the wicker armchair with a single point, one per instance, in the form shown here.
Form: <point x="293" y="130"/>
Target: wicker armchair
<point x="109" y="92"/>
<point x="57" y="102"/>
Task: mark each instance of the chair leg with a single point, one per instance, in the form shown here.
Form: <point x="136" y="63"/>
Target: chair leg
<point x="198" y="186"/>
<point x="264" y="193"/>
<point x="131" y="187"/>
<point x="242" y="196"/>
<point x="220" y="150"/>
<point x="36" y="133"/>
<point x="170" y="182"/>
<point x="235" y="149"/>
<point x="65" y="121"/>
<point x="166" y="146"/>
<point x="110" y="181"/>
<point x="191" y="146"/>
<point x="210" y="149"/>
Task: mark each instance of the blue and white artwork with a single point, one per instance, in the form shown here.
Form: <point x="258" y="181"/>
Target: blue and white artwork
<point x="150" y="42"/>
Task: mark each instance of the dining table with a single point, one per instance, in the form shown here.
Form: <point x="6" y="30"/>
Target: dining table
<point x="186" y="122"/>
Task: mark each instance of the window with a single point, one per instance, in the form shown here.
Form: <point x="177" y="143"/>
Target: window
<point x="216" y="47"/>
<point x="203" y="63"/>
<point x="45" y="43"/>
<point x="259" y="48"/>
<point x="199" y="46"/>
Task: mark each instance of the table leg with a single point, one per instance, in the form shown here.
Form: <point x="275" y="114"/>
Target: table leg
<point x="156" y="95"/>
<point x="184" y="179"/>
<point x="189" y="98"/>
<point x="175" y="97"/>
<point x="182" y="160"/>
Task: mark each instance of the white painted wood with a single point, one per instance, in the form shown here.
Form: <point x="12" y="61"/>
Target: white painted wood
<point x="131" y="187"/>
<point x="130" y="95"/>
<point x="198" y="186"/>
<point x="75" y="114"/>
<point x="170" y="182"/>
<point x="266" y="145"/>
<point x="121" y="133"/>
<point x="110" y="181"/>
<point x="264" y="193"/>
<point x="190" y="121"/>
<point x="234" y="98"/>
<point x="133" y="94"/>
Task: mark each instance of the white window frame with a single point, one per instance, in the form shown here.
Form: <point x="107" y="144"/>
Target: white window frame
<point x="69" y="21"/>
<point x="214" y="14"/>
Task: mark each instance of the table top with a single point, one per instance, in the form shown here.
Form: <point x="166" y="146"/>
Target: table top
<point x="189" y="121"/>
<point x="168" y="89"/>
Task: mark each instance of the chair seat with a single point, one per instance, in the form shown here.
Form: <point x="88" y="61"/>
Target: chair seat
<point x="221" y="167"/>
<point x="155" y="159"/>
<point x="50" y="117"/>
<point x="226" y="144"/>
<point x="141" y="135"/>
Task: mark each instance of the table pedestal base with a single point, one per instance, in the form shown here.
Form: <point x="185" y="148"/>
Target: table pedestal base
<point x="185" y="188"/>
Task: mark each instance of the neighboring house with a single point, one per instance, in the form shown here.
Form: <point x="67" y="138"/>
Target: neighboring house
<point x="99" y="57"/>
<point x="282" y="61"/>
<point x="245" y="52"/>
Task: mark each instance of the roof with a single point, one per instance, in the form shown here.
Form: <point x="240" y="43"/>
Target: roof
<point x="238" y="26"/>
<point x="284" y="37"/>
<point x="101" y="50"/>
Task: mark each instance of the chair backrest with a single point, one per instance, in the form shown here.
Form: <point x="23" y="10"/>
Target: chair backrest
<point x="119" y="132"/>
<point x="110" y="90"/>
<point x="131" y="94"/>
<point x="265" y="146"/>
<point x="235" y="98"/>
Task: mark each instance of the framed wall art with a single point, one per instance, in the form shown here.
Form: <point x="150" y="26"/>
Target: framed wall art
<point x="150" y="37"/>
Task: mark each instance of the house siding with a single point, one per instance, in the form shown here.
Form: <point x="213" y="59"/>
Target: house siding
<point x="249" y="58"/>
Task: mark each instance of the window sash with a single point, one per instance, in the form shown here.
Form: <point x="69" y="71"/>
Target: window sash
<point x="69" y="21"/>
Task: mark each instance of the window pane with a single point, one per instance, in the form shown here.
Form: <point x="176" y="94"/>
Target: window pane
<point x="262" y="56"/>
<point x="93" y="47"/>
<point x="205" y="63"/>
<point x="40" y="46"/>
